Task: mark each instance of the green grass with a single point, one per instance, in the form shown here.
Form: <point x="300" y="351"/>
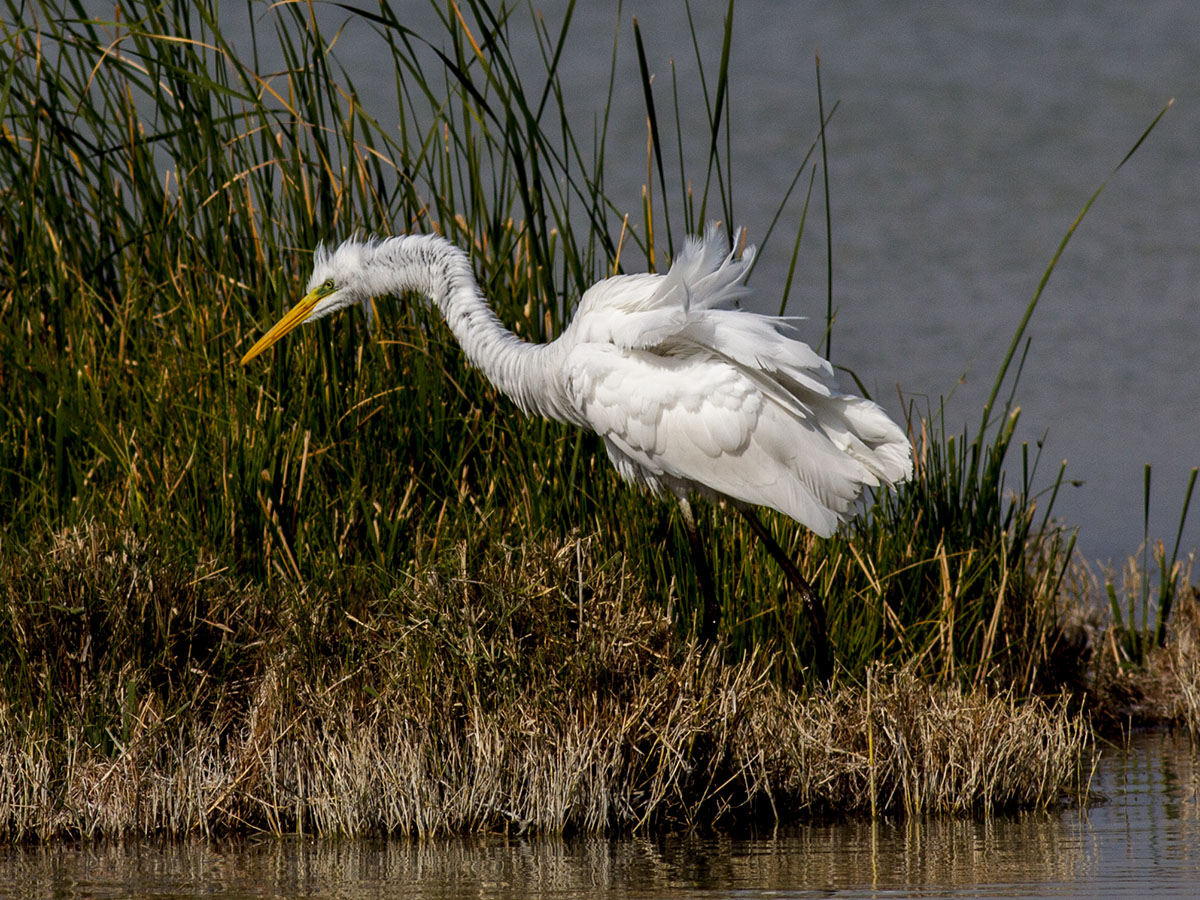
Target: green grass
<point x="162" y="196"/>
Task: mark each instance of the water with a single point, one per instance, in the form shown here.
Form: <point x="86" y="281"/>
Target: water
<point x="1144" y="840"/>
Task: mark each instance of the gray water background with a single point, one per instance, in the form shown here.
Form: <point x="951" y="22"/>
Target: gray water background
<point x="967" y="139"/>
<point x="1142" y="841"/>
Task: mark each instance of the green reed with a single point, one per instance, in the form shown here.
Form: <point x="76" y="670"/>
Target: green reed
<point x="1140" y="625"/>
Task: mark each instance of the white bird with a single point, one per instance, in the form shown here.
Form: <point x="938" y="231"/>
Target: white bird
<point x="688" y="391"/>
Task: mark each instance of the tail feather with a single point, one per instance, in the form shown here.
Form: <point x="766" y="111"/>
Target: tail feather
<point x="787" y="370"/>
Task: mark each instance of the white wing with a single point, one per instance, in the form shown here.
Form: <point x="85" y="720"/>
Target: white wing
<point x="643" y="310"/>
<point x="688" y="392"/>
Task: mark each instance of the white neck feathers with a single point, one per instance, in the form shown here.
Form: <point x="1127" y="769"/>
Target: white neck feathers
<point x="528" y="373"/>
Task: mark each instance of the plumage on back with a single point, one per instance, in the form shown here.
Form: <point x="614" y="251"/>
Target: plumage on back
<point x="690" y="392"/>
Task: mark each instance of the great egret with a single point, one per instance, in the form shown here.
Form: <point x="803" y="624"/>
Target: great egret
<point x="688" y="391"/>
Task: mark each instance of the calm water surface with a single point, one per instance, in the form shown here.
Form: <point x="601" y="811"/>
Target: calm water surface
<point x="1144" y="841"/>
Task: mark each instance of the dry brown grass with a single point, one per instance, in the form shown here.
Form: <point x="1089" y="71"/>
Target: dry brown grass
<point x="529" y="689"/>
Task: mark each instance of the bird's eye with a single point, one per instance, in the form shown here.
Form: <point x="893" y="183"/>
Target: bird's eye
<point x="327" y="287"/>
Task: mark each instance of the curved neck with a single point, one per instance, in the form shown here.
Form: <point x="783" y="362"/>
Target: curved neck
<point x="528" y="373"/>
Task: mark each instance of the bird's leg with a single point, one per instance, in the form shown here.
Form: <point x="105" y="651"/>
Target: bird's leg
<point x="813" y="604"/>
<point x="712" y="611"/>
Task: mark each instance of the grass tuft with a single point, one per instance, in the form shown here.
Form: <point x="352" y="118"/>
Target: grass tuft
<point x="535" y="688"/>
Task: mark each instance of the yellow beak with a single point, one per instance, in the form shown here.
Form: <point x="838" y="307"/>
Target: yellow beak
<point x="294" y="318"/>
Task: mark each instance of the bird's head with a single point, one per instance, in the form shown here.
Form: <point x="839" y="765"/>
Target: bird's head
<point x="339" y="279"/>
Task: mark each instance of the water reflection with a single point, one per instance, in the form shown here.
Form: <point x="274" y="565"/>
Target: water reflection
<point x="1146" y="837"/>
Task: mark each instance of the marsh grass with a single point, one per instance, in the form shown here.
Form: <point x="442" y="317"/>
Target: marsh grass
<point x="433" y="708"/>
<point x="230" y="574"/>
<point x="1161" y="684"/>
<point x="1138" y="625"/>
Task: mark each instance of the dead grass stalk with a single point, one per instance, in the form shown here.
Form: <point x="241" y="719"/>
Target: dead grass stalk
<point x="534" y="689"/>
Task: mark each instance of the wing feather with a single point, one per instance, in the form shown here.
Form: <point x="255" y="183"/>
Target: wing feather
<point x="690" y="392"/>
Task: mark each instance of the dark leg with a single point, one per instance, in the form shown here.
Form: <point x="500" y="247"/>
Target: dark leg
<point x="813" y="603"/>
<point x="712" y="612"/>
